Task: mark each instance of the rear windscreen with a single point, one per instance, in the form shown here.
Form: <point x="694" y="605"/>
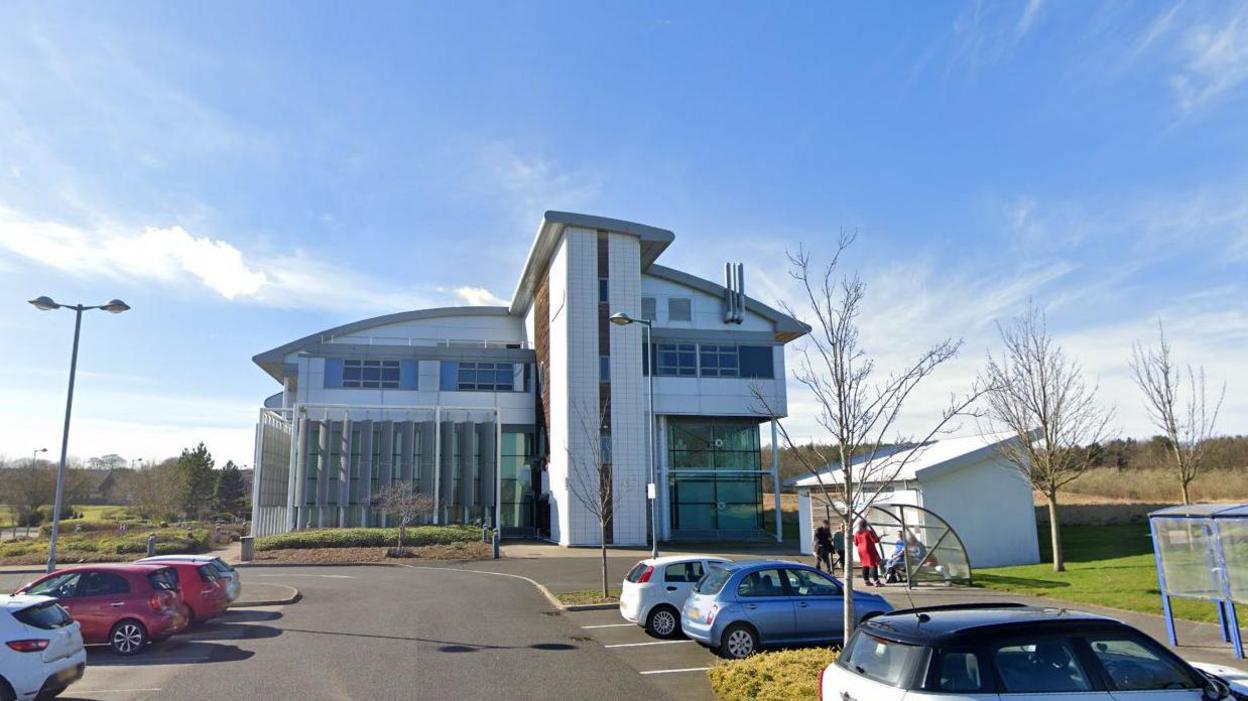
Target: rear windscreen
<point x="221" y="565"/>
<point x="208" y="573"/>
<point x="712" y="581"/>
<point x="164" y="580"/>
<point x="884" y="661"/>
<point x="44" y="616"/>
<point x="635" y="573"/>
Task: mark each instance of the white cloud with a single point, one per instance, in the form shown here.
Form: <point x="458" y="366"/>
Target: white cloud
<point x="1030" y="13"/>
<point x="175" y="258"/>
<point x="528" y="184"/>
<point x="479" y="296"/>
<point x="1215" y="60"/>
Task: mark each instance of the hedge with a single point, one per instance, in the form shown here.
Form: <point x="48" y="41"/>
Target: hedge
<point x="369" y="537"/>
<point x="771" y="676"/>
<point x="168" y="541"/>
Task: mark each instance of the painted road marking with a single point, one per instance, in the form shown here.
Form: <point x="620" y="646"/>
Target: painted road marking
<point x="661" y="642"/>
<point x="161" y="660"/>
<point x="674" y="671"/>
<point x="108" y="691"/>
<point x="609" y="625"/>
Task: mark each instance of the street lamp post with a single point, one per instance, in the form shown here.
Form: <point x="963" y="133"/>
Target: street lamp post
<point x="34" y="458"/>
<point x="43" y="304"/>
<point x="652" y="491"/>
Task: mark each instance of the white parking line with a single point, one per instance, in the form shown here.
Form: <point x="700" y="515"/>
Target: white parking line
<point x="161" y="660"/>
<point x="674" y="671"/>
<point x="660" y="642"/>
<point x="323" y="576"/>
<point x="610" y="625"/>
<point x="108" y="691"/>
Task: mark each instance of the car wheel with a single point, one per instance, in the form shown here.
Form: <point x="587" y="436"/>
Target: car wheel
<point x="127" y="637"/>
<point x="663" y="622"/>
<point x="739" y="642"/>
<point x="50" y="694"/>
<point x="6" y="691"/>
<point x="189" y="615"/>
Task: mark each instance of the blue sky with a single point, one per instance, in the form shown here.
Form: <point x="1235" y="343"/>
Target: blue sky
<point x="249" y="173"/>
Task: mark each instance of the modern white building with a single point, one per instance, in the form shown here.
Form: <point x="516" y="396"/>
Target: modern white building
<point x="965" y="481"/>
<point x="500" y="413"/>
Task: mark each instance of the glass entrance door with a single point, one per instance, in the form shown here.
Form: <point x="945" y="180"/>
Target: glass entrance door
<point x="715" y="477"/>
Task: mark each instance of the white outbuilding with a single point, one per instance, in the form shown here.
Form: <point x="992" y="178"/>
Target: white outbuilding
<point x="965" y="481"/>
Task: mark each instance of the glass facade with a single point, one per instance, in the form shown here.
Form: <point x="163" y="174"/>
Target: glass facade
<point x="715" y="475"/>
<point x="516" y="500"/>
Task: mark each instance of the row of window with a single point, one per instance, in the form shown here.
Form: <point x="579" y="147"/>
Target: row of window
<point x="713" y="360"/>
<point x="370" y="374"/>
<point x="678" y="309"/>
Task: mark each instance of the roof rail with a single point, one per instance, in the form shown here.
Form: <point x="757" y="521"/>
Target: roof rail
<point x="956" y="607"/>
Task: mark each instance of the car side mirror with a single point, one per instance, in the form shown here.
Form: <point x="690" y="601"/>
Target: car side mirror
<point x="1216" y="690"/>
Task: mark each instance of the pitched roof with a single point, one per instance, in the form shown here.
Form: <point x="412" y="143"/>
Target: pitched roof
<point x="909" y="463"/>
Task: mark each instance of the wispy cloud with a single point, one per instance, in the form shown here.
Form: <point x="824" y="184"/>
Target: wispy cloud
<point x="527" y="184"/>
<point x="1215" y="60"/>
<point x="1030" y="12"/>
<point x="479" y="296"/>
<point x="175" y="258"/>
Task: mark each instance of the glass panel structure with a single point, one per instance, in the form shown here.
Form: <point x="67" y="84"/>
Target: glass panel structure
<point x="715" y="476"/>
<point x="930" y="552"/>
<point x="516" y="500"/>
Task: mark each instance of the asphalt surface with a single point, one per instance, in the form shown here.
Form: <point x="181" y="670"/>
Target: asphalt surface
<point x="375" y="633"/>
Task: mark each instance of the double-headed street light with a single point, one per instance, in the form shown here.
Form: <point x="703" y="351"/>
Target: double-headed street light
<point x="43" y="304"/>
<point x="652" y="490"/>
<point x="35" y="457"/>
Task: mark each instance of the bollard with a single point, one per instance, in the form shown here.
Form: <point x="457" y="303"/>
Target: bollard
<point x="248" y="548"/>
<point x="151" y="545"/>
<point x="496" y="543"/>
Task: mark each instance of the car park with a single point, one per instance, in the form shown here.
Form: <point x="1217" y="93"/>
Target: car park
<point x="738" y="608"/>
<point x="229" y="575"/>
<point x="122" y="606"/>
<point x="655" y="589"/>
<point x="976" y="652"/>
<point x="41" y="650"/>
<point x="202" y="590"/>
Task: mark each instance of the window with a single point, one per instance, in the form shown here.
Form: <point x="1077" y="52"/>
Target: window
<point x="634" y="575"/>
<point x="1135" y="666"/>
<point x="677" y="359"/>
<point x="46" y="616"/>
<point x="59" y="587"/>
<point x="762" y="583"/>
<point x="756" y="362"/>
<point x="648" y="308"/>
<point x="880" y="660"/>
<point x="208" y="573"/>
<point x="164" y="579"/>
<point x="102" y="584"/>
<point x="706" y="445"/>
<point x="956" y="672"/>
<point x="604" y="368"/>
<point x="370" y="374"/>
<point x="1046" y="666"/>
<point x="679" y="309"/>
<point x="718" y="361"/>
<point x="713" y="581"/>
<point x="604" y="447"/>
<point x="683" y="572"/>
<point x="604" y="290"/>
<point x="488" y="377"/>
<point x="807" y="583"/>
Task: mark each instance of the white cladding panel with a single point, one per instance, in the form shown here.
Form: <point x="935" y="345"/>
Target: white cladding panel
<point x="999" y="528"/>
<point x="557" y="384"/>
<point x="629" y="467"/>
<point x="472" y="327"/>
<point x="708" y="310"/>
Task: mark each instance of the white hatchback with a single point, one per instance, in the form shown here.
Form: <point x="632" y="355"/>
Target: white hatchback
<point x="41" y="649"/>
<point x="655" y="590"/>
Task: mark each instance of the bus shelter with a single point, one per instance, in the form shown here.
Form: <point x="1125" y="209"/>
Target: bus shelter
<point x="921" y="547"/>
<point x="1201" y="552"/>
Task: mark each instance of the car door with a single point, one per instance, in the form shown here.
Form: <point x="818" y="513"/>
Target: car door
<point x="818" y="605"/>
<point x="1044" y="668"/>
<point x="764" y="596"/>
<point x="101" y="600"/>
<point x="1138" y="669"/>
<point x="678" y="581"/>
<point x="956" y="674"/>
<point x="60" y="587"/>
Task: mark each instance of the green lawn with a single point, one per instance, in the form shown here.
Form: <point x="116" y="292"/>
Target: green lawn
<point x="1105" y="565"/>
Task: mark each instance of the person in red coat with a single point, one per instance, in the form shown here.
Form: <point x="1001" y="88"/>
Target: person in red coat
<point x="868" y="545"/>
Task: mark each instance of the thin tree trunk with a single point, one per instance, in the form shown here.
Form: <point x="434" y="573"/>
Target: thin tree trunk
<point x="1055" y="533"/>
<point x="603" y="537"/>
<point x="848" y="579"/>
<point x="1186" y="496"/>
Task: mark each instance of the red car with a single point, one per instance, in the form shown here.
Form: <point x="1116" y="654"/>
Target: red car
<point x="122" y="606"/>
<point x="202" y="589"/>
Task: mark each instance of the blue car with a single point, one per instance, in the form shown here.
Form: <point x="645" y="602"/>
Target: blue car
<point x="737" y="608"/>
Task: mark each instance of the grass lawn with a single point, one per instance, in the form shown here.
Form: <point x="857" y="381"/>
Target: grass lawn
<point x="1109" y="566"/>
<point x="592" y="596"/>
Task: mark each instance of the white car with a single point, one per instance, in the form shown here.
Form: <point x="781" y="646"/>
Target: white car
<point x="41" y="649"/>
<point x="993" y="652"/>
<point x="655" y="590"/>
<point x="228" y="575"/>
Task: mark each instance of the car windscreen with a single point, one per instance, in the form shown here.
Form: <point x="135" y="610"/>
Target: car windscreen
<point x="884" y="661"/>
<point x="635" y="573"/>
<point x="221" y="565"/>
<point x="712" y="581"/>
<point x="46" y="616"/>
<point x="164" y="579"/>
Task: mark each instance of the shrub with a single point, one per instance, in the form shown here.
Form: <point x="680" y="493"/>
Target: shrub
<point x="369" y="537"/>
<point x="771" y="676"/>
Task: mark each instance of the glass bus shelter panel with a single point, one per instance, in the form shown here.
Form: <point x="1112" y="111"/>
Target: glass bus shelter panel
<point x="1233" y="536"/>
<point x="933" y="551"/>
<point x="1185" y="546"/>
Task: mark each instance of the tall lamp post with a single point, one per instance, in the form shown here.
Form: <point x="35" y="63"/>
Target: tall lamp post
<point x="34" y="458"/>
<point x="652" y="491"/>
<point x="43" y="304"/>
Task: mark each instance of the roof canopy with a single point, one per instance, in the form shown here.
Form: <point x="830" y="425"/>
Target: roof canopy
<point x="910" y="463"/>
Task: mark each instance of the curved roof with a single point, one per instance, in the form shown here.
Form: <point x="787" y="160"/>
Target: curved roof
<point x="271" y="360"/>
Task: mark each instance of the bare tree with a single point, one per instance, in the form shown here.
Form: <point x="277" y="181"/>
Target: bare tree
<point x="156" y="492"/>
<point x="405" y="504"/>
<point x="29" y="489"/>
<point x="590" y="475"/>
<point x="1186" y="423"/>
<point x="1039" y="395"/>
<point x="859" y="406"/>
